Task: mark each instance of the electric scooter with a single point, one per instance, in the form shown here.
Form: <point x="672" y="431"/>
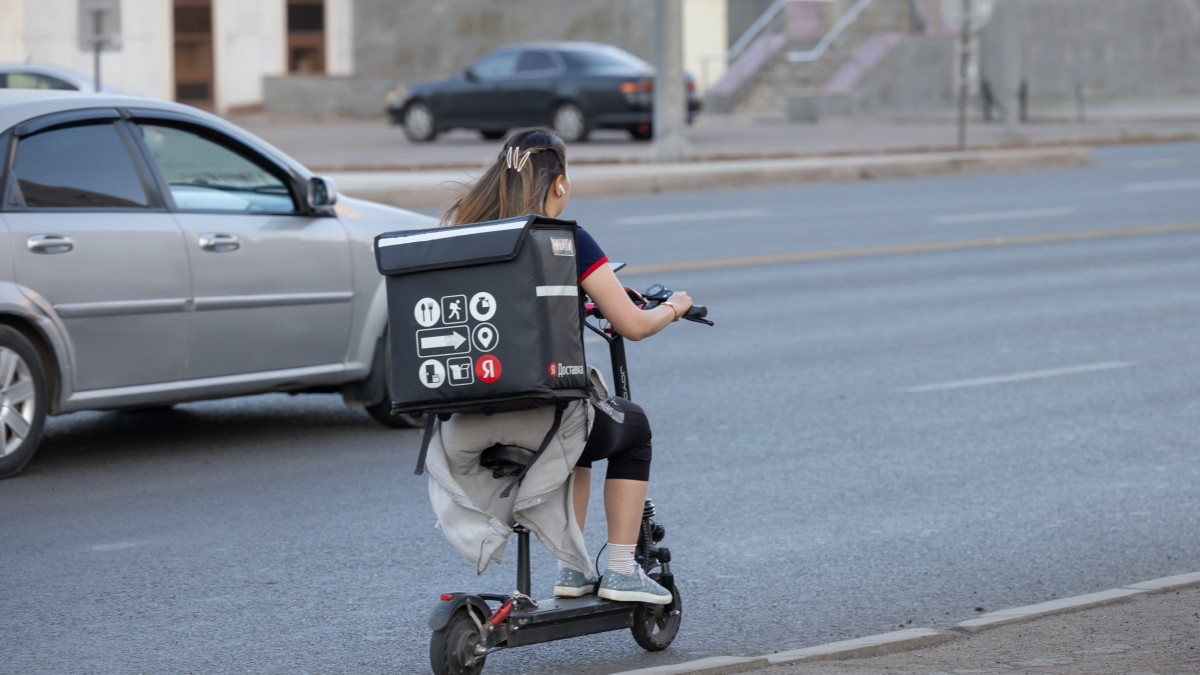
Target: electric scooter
<point x="466" y="628"/>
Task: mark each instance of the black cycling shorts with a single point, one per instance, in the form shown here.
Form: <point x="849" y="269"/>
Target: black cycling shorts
<point x="620" y="434"/>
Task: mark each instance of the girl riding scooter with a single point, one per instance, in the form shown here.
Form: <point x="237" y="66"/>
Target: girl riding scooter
<point x="530" y="176"/>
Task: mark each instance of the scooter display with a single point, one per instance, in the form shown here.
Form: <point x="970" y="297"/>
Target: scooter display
<point x="466" y="628"/>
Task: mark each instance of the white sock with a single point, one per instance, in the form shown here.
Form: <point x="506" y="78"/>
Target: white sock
<point x="620" y="558"/>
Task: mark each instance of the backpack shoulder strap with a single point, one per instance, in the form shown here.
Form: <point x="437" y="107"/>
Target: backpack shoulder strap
<point x="430" y="421"/>
<point x="558" y="414"/>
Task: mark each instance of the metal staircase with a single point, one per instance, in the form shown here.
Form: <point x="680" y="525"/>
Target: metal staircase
<point x="798" y="47"/>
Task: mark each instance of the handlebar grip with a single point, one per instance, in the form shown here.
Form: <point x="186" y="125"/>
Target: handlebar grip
<point x="695" y="312"/>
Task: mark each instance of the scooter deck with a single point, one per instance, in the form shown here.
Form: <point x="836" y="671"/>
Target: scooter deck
<point x="560" y="618"/>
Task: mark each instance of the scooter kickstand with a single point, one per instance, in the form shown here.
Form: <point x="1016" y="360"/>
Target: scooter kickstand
<point x="524" y="600"/>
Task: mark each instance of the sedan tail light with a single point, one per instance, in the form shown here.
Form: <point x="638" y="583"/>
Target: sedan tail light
<point x="642" y="86"/>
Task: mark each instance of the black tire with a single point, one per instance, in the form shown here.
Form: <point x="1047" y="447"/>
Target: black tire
<point x="25" y="398"/>
<point x="655" y="626"/>
<point x="420" y="126"/>
<point x="569" y="122"/>
<point x="382" y="412"/>
<point x="452" y="649"/>
<point x="493" y="134"/>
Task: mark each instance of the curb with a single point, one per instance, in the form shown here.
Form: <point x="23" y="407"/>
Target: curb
<point x="419" y="189"/>
<point x="917" y="638"/>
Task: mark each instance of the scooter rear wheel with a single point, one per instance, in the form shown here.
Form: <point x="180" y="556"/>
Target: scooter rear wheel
<point x="452" y="649"/>
<point x="655" y="626"/>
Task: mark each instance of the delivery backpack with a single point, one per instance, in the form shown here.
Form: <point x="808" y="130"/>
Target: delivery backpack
<point x="483" y="318"/>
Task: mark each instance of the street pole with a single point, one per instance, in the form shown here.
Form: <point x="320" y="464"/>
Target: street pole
<point x="963" y="74"/>
<point x="1011" y="60"/>
<point x="97" y="42"/>
<point x="670" y="97"/>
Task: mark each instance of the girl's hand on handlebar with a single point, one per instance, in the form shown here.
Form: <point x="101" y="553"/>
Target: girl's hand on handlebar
<point x="679" y="301"/>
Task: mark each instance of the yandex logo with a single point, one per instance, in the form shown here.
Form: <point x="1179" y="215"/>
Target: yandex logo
<point x="487" y="368"/>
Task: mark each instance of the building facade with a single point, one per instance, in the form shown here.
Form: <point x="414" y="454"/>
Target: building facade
<point x="209" y="53"/>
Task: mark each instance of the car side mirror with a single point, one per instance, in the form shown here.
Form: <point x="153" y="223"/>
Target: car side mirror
<point x="321" y="192"/>
<point x="469" y="75"/>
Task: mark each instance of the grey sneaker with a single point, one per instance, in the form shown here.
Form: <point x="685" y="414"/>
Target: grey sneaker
<point x="573" y="584"/>
<point x="636" y="587"/>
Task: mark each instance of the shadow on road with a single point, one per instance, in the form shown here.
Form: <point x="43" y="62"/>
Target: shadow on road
<point x="211" y="430"/>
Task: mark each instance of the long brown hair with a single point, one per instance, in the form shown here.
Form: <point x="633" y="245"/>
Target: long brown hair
<point x="516" y="183"/>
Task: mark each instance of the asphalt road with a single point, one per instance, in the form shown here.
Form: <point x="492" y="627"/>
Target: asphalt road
<point x="922" y="399"/>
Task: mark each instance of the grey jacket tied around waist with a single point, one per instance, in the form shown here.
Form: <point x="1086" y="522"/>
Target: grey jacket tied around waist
<point x="466" y="497"/>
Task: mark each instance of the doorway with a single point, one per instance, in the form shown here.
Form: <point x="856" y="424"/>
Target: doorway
<point x="306" y="37"/>
<point x="194" y="53"/>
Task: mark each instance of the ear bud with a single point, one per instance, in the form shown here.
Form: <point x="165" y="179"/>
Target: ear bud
<point x="560" y="191"/>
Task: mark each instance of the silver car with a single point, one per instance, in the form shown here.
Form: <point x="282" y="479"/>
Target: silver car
<point x="46" y="76"/>
<point x="153" y="253"/>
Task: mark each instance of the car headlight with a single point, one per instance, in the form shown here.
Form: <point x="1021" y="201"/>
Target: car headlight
<point x="399" y="94"/>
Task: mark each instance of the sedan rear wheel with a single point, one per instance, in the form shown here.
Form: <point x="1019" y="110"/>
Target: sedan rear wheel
<point x="23" y="401"/>
<point x="419" y="124"/>
<point x="569" y="123"/>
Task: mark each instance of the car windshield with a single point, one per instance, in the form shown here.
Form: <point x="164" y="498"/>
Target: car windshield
<point x="602" y="57"/>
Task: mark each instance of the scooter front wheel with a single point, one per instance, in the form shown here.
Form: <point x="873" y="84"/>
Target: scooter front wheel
<point x="452" y="650"/>
<point x="655" y="626"/>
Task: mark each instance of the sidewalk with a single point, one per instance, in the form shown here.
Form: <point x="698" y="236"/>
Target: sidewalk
<point x="372" y="159"/>
<point x="1150" y="627"/>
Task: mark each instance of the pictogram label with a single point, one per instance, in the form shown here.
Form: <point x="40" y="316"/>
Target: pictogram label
<point x="483" y="306"/>
<point x="454" y="309"/>
<point x="427" y="312"/>
<point x="432" y="373"/>
<point x="485" y="336"/>
<point x="462" y="371"/>
<point x="442" y="341"/>
<point x="487" y="368"/>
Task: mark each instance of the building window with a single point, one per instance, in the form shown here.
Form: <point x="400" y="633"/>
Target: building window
<point x="306" y="36"/>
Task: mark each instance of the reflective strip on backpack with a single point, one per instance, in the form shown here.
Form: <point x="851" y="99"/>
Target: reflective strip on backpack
<point x="571" y="291"/>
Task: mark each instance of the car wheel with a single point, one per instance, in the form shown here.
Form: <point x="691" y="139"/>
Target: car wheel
<point x="419" y="124"/>
<point x="569" y="123"/>
<point x="382" y="412"/>
<point x="24" y="398"/>
<point x="493" y="135"/>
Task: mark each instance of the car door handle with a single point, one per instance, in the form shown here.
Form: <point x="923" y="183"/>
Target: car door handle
<point x="219" y="243"/>
<point x="50" y="243"/>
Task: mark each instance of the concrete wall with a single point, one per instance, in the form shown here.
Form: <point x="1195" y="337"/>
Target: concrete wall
<point x="419" y="38"/>
<point x="1117" y="48"/>
<point x="250" y="42"/>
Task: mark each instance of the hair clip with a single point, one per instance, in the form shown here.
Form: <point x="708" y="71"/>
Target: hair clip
<point x="515" y="159"/>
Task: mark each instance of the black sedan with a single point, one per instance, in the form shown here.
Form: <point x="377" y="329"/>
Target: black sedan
<point x="573" y="87"/>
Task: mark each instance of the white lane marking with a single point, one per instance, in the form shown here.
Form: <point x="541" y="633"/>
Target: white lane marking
<point x="1019" y="377"/>
<point x="114" y="547"/>
<point x="1006" y="215"/>
<point x="686" y="217"/>
<point x="1162" y="185"/>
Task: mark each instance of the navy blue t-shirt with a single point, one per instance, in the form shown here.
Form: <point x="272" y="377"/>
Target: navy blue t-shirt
<point x="588" y="255"/>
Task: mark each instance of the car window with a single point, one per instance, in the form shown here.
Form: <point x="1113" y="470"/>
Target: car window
<point x="36" y="81"/>
<point x="85" y="166"/>
<point x="495" y="66"/>
<point x="536" y="61"/>
<point x="609" y="57"/>
<point x="206" y="176"/>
